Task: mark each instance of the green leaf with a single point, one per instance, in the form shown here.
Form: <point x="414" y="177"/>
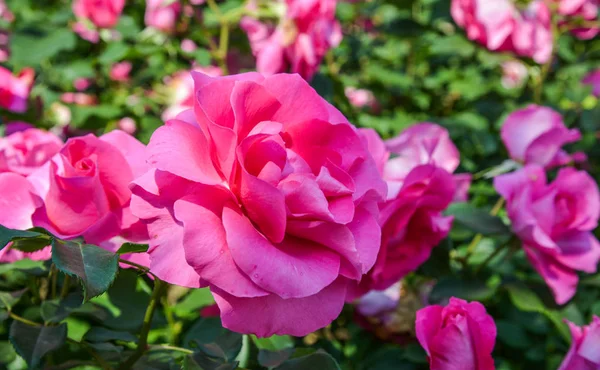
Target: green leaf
<point x="274" y="343"/>
<point x="56" y="310"/>
<point x="133" y="248"/>
<point x="7" y="353"/>
<point x="477" y="220"/>
<point x="317" y="360"/>
<point x="9" y="299"/>
<point x="99" y="334"/>
<point x="272" y="359"/>
<point x="34" y="342"/>
<point x="30" y="49"/>
<point x="196" y="299"/>
<point x="113" y="53"/>
<point x="472" y="290"/>
<point x="94" y="266"/>
<point x="225" y="347"/>
<point x="25" y="265"/>
<point x="31" y="244"/>
<point x="7" y="235"/>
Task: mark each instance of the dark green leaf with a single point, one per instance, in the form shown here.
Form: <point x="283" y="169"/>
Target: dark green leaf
<point x="274" y="343"/>
<point x="7" y="352"/>
<point x="94" y="266"/>
<point x="225" y="347"/>
<point x="113" y="53"/>
<point x="99" y="334"/>
<point x="477" y="220"/>
<point x="34" y="342"/>
<point x="7" y="235"/>
<point x="26" y="265"/>
<point x="56" y="310"/>
<point x="472" y="290"/>
<point x="271" y="359"/>
<point x="32" y="49"/>
<point x="318" y="360"/>
<point x="9" y="299"/>
<point x="133" y="248"/>
<point x="31" y="244"/>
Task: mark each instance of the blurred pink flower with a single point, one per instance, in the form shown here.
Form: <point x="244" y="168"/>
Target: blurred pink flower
<point x="586" y="10"/>
<point x="14" y="90"/>
<point x="459" y="336"/>
<point x="536" y="134"/>
<point x="85" y="32"/>
<point x="584" y="354"/>
<point x="188" y="46"/>
<point x="555" y="223"/>
<point x="81" y="84"/>
<point x="360" y="98"/>
<point x="120" y="71"/>
<point x="127" y="125"/>
<point x="532" y="36"/>
<point x="593" y="79"/>
<point x="102" y="13"/>
<point x="514" y="74"/>
<point x="305" y="33"/>
<point x="4" y="46"/>
<point x="78" y="98"/>
<point x="162" y="14"/>
<point x="27" y="149"/>
<point x="5" y="13"/>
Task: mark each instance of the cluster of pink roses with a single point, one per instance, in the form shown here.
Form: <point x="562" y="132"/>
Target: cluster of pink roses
<point x="502" y="25"/>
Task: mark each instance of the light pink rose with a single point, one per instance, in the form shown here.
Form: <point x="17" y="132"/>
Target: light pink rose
<point x="14" y="90"/>
<point x="593" y="79"/>
<point x="532" y="35"/>
<point x="25" y="151"/>
<point x="188" y="46"/>
<point x="555" y="223"/>
<point x="488" y="22"/>
<point x="459" y="336"/>
<point x="584" y="354"/>
<point x="127" y="124"/>
<point x="86" y="32"/>
<point x="536" y="134"/>
<point x="78" y="99"/>
<point x="299" y="42"/>
<point x="586" y="10"/>
<point x="120" y="71"/>
<point x="102" y="13"/>
<point x="514" y="74"/>
<point x="81" y="84"/>
<point x="162" y="14"/>
<point x="265" y="193"/>
<point x="85" y="188"/>
<point x="360" y="98"/>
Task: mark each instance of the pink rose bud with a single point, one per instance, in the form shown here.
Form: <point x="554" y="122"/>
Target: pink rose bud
<point x="536" y="134"/>
<point x="102" y="13"/>
<point x="82" y="84"/>
<point x="593" y="79"/>
<point x="14" y="91"/>
<point x="360" y="98"/>
<point x="514" y="74"/>
<point x="584" y="354"/>
<point x="26" y="149"/>
<point x="555" y="223"/>
<point x="120" y="71"/>
<point x="459" y="336"/>
<point x="188" y="46"/>
<point x="162" y="14"/>
<point x="264" y="192"/>
<point x="127" y="124"/>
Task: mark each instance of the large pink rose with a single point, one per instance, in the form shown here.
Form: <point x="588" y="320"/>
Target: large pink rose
<point x="14" y="90"/>
<point x="593" y="79"/>
<point x="489" y="22"/>
<point x="25" y="151"/>
<point x="85" y="188"/>
<point x="555" y="223"/>
<point x="300" y="41"/>
<point x="459" y="336"/>
<point x="536" y="134"/>
<point x="102" y="13"/>
<point x="162" y="14"/>
<point x="265" y="193"/>
<point x="19" y="202"/>
<point x="532" y="35"/>
<point x="584" y="353"/>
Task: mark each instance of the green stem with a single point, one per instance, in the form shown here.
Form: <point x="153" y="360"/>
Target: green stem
<point x="166" y="347"/>
<point x="65" y="287"/>
<point x="53" y="277"/>
<point x="495" y="210"/>
<point x="22" y="319"/>
<point x="141" y="268"/>
<point x="143" y="341"/>
<point x="490" y="257"/>
<point x="224" y="46"/>
<point x="173" y="327"/>
<point x="102" y="362"/>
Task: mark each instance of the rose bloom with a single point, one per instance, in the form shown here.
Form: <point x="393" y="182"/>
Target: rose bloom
<point x="81" y="84"/>
<point x="536" y="134"/>
<point x="25" y="151"/>
<point x="102" y="13"/>
<point x="305" y="33"/>
<point x="584" y="354"/>
<point x="14" y="90"/>
<point x="86" y="32"/>
<point x="459" y="336"/>
<point x="85" y="189"/>
<point x="532" y="35"/>
<point x="514" y="74"/>
<point x="360" y="98"/>
<point x="18" y="204"/>
<point x="78" y="99"/>
<point x="162" y="14"/>
<point x="586" y="10"/>
<point x="555" y="223"/>
<point x="120" y="71"/>
<point x="265" y="193"/>
<point x="593" y="79"/>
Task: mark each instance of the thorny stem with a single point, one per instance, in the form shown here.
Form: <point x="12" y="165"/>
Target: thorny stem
<point x="22" y="319"/>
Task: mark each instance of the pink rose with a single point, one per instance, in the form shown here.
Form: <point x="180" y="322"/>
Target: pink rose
<point x="593" y="79"/>
<point x="5" y="13"/>
<point x="360" y="98"/>
<point x="536" y="134"/>
<point x="4" y="46"/>
<point x="19" y="202"/>
<point x="23" y="152"/>
<point x="81" y="84"/>
<point x="188" y="46"/>
<point x="459" y="336"/>
<point x="120" y="71"/>
<point x="265" y="193"/>
<point x="78" y="99"/>
<point x="488" y="22"/>
<point x="162" y="14"/>
<point x="532" y="35"/>
<point x="555" y="223"/>
<point x="102" y="13"/>
<point x="514" y="74"/>
<point x="300" y="41"/>
<point x="127" y="124"/>
<point x="586" y="10"/>
<point x="85" y="188"/>
<point x="85" y="32"/>
<point x="14" y="91"/>
<point x="584" y="354"/>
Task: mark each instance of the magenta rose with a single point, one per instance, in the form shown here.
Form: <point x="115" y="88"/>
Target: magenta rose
<point x="304" y="35"/>
<point x="14" y="90"/>
<point x="102" y="13"/>
<point x="85" y="188"/>
<point x="26" y="150"/>
<point x="584" y="353"/>
<point x="555" y="223"/>
<point x="459" y="336"/>
<point x="536" y="134"/>
<point x="488" y="22"/>
<point x="162" y="14"/>
<point x="265" y="193"/>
